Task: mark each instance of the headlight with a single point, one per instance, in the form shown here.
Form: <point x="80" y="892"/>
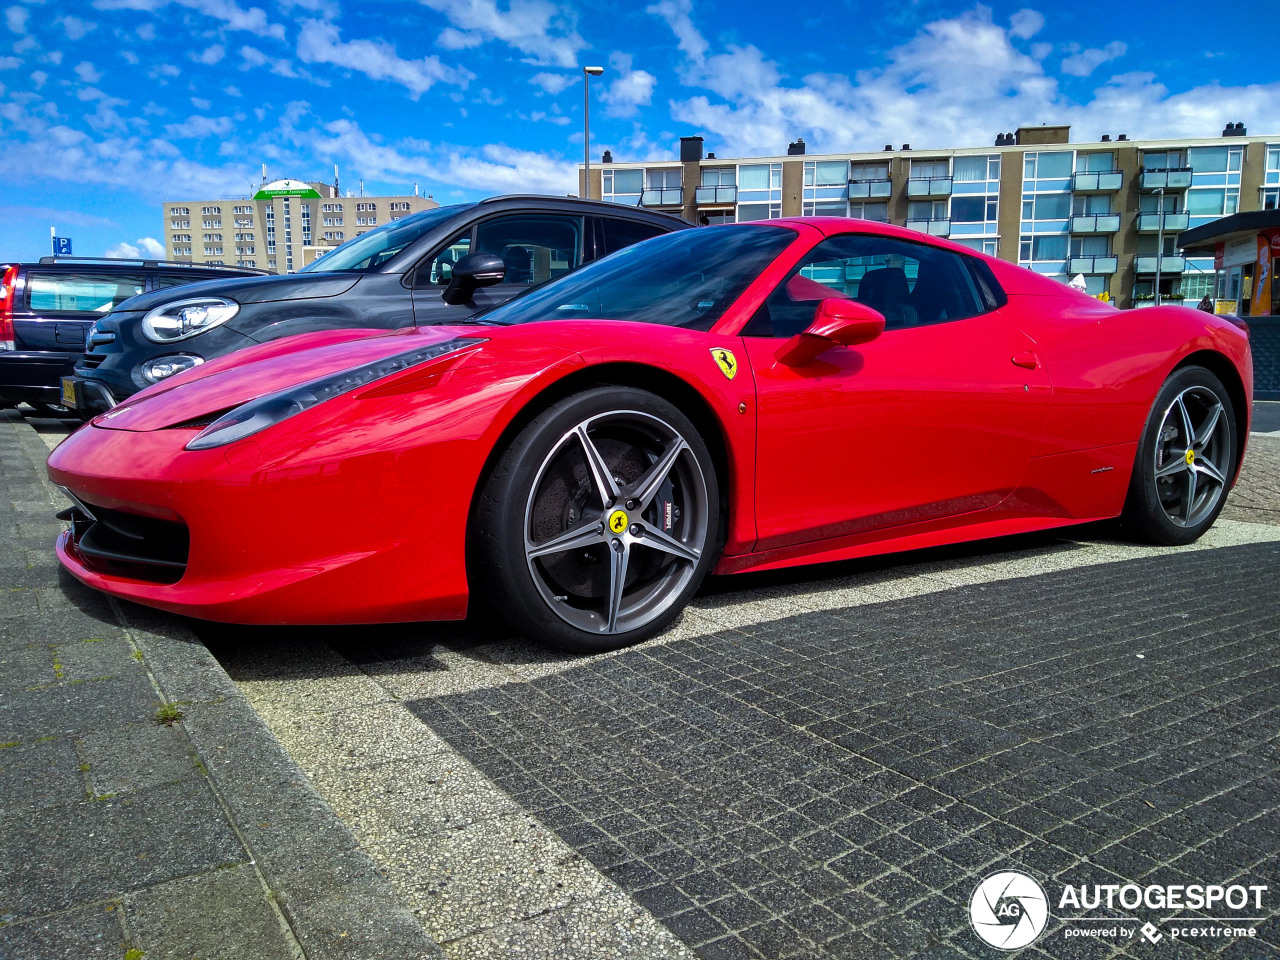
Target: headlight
<point x="248" y="419"/>
<point x="156" y="370"/>
<point x="186" y="318"/>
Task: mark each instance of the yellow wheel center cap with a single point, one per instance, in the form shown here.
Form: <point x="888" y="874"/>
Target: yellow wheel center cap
<point x="1191" y="457"/>
<point x="618" y="521"/>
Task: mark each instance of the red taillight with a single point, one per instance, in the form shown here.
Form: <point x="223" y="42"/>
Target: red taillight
<point x="7" y="285"/>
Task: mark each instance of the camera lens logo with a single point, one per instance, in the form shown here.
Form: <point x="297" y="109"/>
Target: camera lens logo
<point x="1008" y="910"/>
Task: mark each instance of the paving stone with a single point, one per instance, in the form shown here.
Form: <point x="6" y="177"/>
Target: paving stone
<point x="86" y="933"/>
<point x="39" y="774"/>
<point x="136" y="756"/>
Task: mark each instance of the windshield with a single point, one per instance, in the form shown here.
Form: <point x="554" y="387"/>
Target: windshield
<point x="682" y="279"/>
<point x="376" y="247"/>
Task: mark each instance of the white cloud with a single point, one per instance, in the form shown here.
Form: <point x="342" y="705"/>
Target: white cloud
<point x="15" y="18"/>
<point x="955" y="83"/>
<point x="1025" y="24"/>
<point x="554" y="83"/>
<point x="146" y="248"/>
<point x="630" y="90"/>
<point x="209" y="55"/>
<point x="537" y="28"/>
<point x="679" y="17"/>
<point x="129" y="57"/>
<point x="234" y="17"/>
<point x="53" y="56"/>
<point x="1086" y="61"/>
<point x="164" y="70"/>
<point x="74" y="27"/>
<point x="146" y="31"/>
<point x="320" y="42"/>
<point x="197" y="127"/>
<point x="39" y="78"/>
<point x="200" y="103"/>
<point x="232" y="91"/>
<point x="10" y="63"/>
<point x="87" y="72"/>
<point x="542" y="116"/>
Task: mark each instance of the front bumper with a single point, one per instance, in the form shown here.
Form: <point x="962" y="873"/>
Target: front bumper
<point x="34" y="375"/>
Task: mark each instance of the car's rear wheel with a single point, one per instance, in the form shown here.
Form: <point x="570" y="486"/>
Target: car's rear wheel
<point x="598" y="521"/>
<point x="1185" y="462"/>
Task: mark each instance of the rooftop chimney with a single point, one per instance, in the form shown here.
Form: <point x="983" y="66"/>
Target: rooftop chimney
<point x="796" y="148"/>
<point x="1123" y="136"/>
<point x="711" y="156"/>
<point x="1234" y="130"/>
<point x="1106" y="138"/>
<point x="888" y="146"/>
<point x="607" y="157"/>
<point x="690" y="149"/>
<point x="906" y="146"/>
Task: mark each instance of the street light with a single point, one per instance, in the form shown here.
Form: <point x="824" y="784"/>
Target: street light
<point x="587" y="74"/>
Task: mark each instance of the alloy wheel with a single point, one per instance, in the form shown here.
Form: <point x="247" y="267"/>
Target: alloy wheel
<point x="1194" y="438"/>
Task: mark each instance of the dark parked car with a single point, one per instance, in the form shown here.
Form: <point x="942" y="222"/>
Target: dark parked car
<point x="434" y="267"/>
<point x="46" y="309"/>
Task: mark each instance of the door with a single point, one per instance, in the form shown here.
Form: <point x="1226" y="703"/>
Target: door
<point x="534" y="247"/>
<point x="933" y="419"/>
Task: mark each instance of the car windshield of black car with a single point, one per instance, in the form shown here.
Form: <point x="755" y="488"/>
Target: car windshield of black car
<point x="682" y="279"/>
<point x="373" y="249"/>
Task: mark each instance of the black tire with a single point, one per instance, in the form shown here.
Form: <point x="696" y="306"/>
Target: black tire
<point x="1163" y="507"/>
<point x="542" y="490"/>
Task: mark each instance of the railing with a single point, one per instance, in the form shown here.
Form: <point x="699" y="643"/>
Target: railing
<point x="1168" y="264"/>
<point x="1150" y="222"/>
<point x="1092" y="265"/>
<point x="1096" y="223"/>
<point x="724" y="193"/>
<point x="870" y="189"/>
<point x="1167" y="178"/>
<point x="1097" y="181"/>
<point x="929" y="186"/>
<point x="935" y="227"/>
<point x="666" y="197"/>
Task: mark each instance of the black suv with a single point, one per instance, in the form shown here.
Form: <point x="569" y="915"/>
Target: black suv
<point x="46" y="308"/>
<point x="438" y="266"/>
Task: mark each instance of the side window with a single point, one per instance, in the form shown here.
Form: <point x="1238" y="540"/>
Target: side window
<point x="80" y="292"/>
<point x="166" y="280"/>
<point x="623" y="233"/>
<point x="535" y="247"/>
<point x="438" y="270"/>
<point x="911" y="284"/>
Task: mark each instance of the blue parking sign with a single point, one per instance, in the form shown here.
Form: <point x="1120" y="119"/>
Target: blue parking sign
<point x="62" y="246"/>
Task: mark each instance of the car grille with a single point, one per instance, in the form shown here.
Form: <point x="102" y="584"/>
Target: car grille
<point x="91" y="360"/>
<point x="128" y="545"/>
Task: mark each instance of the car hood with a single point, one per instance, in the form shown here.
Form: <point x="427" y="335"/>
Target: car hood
<point x="238" y="378"/>
<point x="292" y="286"/>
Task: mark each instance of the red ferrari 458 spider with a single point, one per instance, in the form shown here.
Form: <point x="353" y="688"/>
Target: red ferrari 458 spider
<point x="741" y="397"/>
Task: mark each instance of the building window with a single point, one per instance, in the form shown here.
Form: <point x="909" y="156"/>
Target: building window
<point x="1162" y="160"/>
<point x="1092" y="204"/>
<point x="826" y="173"/>
<point x="1047" y="166"/>
<point x="760" y="177"/>
<point x="1270" y="198"/>
<point x="982" y="246"/>
<point x="1095" y="162"/>
<point x="206" y="211"/>
<point x="1043" y="248"/>
<point x="404" y="204"/>
<point x="826" y="208"/>
<point x="213" y="251"/>
<point x="878" y="212"/>
<point x="1091" y="246"/>
<point x="331" y="208"/>
<point x="759" y="211"/>
<point x="180" y="212"/>
<point x="719" y="177"/>
<point x="619" y="186"/>
<point x="859" y="172"/>
<point x="242" y="209"/>
<point x="366" y="207"/>
<point x="976" y="169"/>
<point x="982" y="209"/>
<point x="214" y="224"/>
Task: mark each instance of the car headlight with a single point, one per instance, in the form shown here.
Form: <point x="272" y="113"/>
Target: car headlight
<point x="186" y="318"/>
<point x="256" y="415"/>
<point x="153" y="371"/>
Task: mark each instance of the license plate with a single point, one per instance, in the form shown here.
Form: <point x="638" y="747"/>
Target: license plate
<point x="68" y="392"/>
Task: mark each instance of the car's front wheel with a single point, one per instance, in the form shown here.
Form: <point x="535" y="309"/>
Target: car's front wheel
<point x="1185" y="462"/>
<point x="598" y="521"/>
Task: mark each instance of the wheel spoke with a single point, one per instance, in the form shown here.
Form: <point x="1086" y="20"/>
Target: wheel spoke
<point x="583" y="535"/>
<point x="1189" y="435"/>
<point x="660" y="540"/>
<point x="619" y="555"/>
<point x="646" y="488"/>
<point x="1191" y="497"/>
<point x="1209" y="469"/>
<point x="1210" y="424"/>
<point x="600" y="471"/>
<point x="1176" y="465"/>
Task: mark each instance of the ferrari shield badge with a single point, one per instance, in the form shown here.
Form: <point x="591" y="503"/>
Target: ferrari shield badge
<point x="726" y="361"/>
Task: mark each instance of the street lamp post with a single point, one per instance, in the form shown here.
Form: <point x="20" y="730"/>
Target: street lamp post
<point x="587" y="74"/>
<point x="1159" y="238"/>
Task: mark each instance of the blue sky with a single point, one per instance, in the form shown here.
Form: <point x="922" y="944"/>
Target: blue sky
<point x="108" y="107"/>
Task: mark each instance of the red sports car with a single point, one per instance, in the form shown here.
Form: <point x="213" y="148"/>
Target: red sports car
<point x="742" y="397"/>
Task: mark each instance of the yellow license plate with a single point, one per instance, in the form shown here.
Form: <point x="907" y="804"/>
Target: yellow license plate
<point x="68" y="393"/>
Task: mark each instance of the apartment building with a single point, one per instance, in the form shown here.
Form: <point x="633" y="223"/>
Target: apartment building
<point x="283" y="227"/>
<point x="1109" y="210"/>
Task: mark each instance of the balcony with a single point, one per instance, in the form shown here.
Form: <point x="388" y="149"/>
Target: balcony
<point x="929" y="187"/>
<point x="1097" y="181"/>
<point x="725" y="193"/>
<point x="1092" y="265"/>
<point x="870" y="189"/>
<point x="1168" y="264"/>
<point x="935" y="228"/>
<point x="1096" y="223"/>
<point x="1171" y="178"/>
<point x="667" y="197"/>
<point x="1173" y="222"/>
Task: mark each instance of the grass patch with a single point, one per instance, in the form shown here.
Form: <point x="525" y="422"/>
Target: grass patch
<point x="168" y="714"/>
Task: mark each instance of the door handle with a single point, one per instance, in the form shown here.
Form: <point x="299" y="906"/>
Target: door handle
<point x="1026" y="359"/>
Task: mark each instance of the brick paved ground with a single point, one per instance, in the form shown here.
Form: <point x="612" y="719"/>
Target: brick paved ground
<point x="1257" y="495"/>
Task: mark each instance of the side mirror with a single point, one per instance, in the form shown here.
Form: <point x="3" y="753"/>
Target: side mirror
<point x="471" y="272"/>
<point x="836" y="322"/>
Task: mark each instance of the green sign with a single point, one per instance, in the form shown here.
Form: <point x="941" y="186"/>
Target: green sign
<point x="267" y="194"/>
